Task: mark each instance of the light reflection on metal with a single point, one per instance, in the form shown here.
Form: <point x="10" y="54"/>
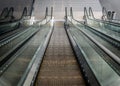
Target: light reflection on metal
<point x="32" y="20"/>
<point x="52" y="21"/>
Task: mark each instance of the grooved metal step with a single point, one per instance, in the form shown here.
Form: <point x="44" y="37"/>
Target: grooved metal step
<point x="59" y="67"/>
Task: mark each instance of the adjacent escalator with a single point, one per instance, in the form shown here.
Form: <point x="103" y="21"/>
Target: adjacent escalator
<point x="102" y="61"/>
<point x="16" y="67"/>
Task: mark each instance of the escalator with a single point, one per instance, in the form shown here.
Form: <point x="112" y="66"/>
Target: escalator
<point x="62" y="53"/>
<point x="108" y="31"/>
<point x="17" y="65"/>
<point x="59" y="66"/>
<point x="21" y="52"/>
<point x="100" y="52"/>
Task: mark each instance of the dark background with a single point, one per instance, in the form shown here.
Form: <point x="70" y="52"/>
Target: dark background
<point x="18" y="6"/>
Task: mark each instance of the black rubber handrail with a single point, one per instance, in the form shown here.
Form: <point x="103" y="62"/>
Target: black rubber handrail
<point x="66" y="13"/>
<point x="104" y="13"/>
<point x="24" y="14"/>
<point x="71" y="12"/>
<point x="85" y="13"/>
<point x="10" y="12"/>
<point x="91" y="13"/>
<point x="51" y="12"/>
<point x="12" y="17"/>
<point x="32" y="7"/>
<point x="9" y="16"/>
<point x="4" y="13"/>
<point x="46" y="12"/>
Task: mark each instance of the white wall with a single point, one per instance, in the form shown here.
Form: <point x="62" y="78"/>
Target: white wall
<point x="59" y="7"/>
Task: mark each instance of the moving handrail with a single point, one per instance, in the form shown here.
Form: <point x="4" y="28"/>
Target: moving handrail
<point x="71" y="12"/>
<point x="46" y="12"/>
<point x="47" y="17"/>
<point x="91" y="13"/>
<point x="24" y="14"/>
<point x="10" y="23"/>
<point x="104" y="13"/>
<point x="11" y="18"/>
<point x="4" y="13"/>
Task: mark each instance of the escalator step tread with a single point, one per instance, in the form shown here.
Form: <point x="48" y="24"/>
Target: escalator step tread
<point x="59" y="67"/>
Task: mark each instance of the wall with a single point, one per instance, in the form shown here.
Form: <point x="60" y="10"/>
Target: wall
<point x="59" y="7"/>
